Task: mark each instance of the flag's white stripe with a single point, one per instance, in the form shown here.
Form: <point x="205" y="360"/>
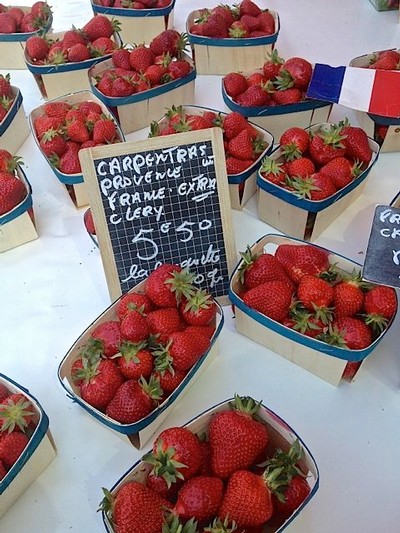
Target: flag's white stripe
<point x="357" y="88"/>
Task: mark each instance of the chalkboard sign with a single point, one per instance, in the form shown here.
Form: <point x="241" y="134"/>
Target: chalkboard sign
<point x="162" y="200"/>
<point x="382" y="259"/>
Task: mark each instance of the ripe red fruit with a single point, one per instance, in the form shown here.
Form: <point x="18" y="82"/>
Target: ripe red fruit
<point x="100" y="383"/>
<point x="134" y="327"/>
<point x="167" y="284"/>
<point x="234" y="83"/>
<point x="135" y="361"/>
<point x="186" y="348"/>
<point x="314" y="292"/>
<point x="298" y="260"/>
<point x="294" y="141"/>
<point x="351" y="332"/>
<point x="109" y="333"/>
<point x="198" y="310"/>
<point x="12" y="192"/>
<point x="200" y="498"/>
<point x="11" y="447"/>
<point x="272" y="299"/>
<point x="133" y="301"/>
<point x="257" y="269"/>
<point x="300" y="70"/>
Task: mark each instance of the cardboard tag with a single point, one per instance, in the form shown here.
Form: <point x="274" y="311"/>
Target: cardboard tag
<point x="382" y="260"/>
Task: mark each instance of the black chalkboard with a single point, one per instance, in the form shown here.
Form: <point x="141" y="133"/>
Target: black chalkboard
<point x="382" y="259"/>
<point x="162" y="200"/>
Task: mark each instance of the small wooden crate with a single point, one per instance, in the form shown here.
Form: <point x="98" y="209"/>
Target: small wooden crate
<point x="244" y="185"/>
<point x="36" y="457"/>
<point x="384" y="130"/>
<point x="325" y="361"/>
<point x="281" y="436"/>
<point x="302" y="218"/>
<point x="14" y="129"/>
<point x="74" y="183"/>
<point x="139" y="432"/>
<point x="54" y="81"/>
<point x="18" y="226"/>
<point x="221" y="56"/>
<point x="12" y="46"/>
<point x="279" y="118"/>
<point x="138" y="110"/>
<point x="138" y="25"/>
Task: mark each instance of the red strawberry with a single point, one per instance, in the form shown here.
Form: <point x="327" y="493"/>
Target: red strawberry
<point x="41" y="10"/>
<point x="267" y="22"/>
<point x="298" y="260"/>
<point x="169" y="378"/>
<point x="17" y="14"/>
<point x="104" y="131"/>
<point x="3" y="471"/>
<point x="356" y="143"/>
<point x="164" y="321"/>
<point x="186" y="348"/>
<point x="168" y="41"/>
<point x="99" y="26"/>
<point x="237" y="166"/>
<point x="11" y="447"/>
<point x="4" y="392"/>
<point x="351" y="369"/>
<point x="109" y="333"/>
<point x="273" y="171"/>
<point x="200" y="498"/>
<point x="272" y="65"/>
<point x="314" y="292"/>
<point x="16" y="413"/>
<point x="327" y="144"/>
<point x="247" y="500"/>
<point x="37" y="47"/>
<point x="234" y="84"/>
<point x="7" y="23"/>
<point x="241" y="146"/>
<point x="69" y="162"/>
<point x="348" y="296"/>
<point x="100" y="383"/>
<point x="322" y="186"/>
<point x="77" y="131"/>
<point x="198" y="310"/>
<point x="386" y="62"/>
<point x="135" y="360"/>
<point x="158" y="484"/>
<point x="341" y="171"/>
<point x="141" y="58"/>
<point x="12" y="192"/>
<point x="253" y="96"/>
<point x="236" y="438"/>
<point x="133" y="301"/>
<point x="294" y="142"/>
<point x="349" y="332"/>
<point x="300" y="167"/>
<point x="56" y="109"/>
<point x="293" y="495"/>
<point x="272" y="299"/>
<point x="248" y="7"/>
<point x="72" y="37"/>
<point x="135" y="508"/>
<point x="233" y="124"/>
<point x="215" y="26"/>
<point x="89" y="222"/>
<point x="380" y="305"/>
<point x="134" y="327"/>
<point x="5" y="86"/>
<point x="167" y="284"/>
<point x="258" y="269"/>
<point x="293" y="95"/>
<point x="300" y="71"/>
<point x="78" y="52"/>
<point x="179" y="69"/>
<point x="52" y="142"/>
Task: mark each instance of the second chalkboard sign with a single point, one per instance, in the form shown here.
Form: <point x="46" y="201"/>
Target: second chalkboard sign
<point x="162" y="200"/>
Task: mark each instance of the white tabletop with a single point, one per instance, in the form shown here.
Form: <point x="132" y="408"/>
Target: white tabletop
<point x="53" y="288"/>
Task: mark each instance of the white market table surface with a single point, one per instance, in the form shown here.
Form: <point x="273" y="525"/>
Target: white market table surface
<point x="53" y="288"/>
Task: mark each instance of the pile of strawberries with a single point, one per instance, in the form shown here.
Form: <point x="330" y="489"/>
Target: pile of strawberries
<point x="385" y="60"/>
<point x="214" y="482"/>
<point x="143" y="67"/>
<point x="7" y="96"/>
<point x="245" y="20"/>
<point x="63" y="129"/>
<point x="278" y="82"/>
<point x="12" y="189"/>
<point x="18" y="420"/>
<point x="243" y="143"/>
<point x="301" y="289"/>
<point x="95" y="39"/>
<point x="133" y="363"/>
<point x="16" y="20"/>
<point x="134" y="4"/>
<point x="315" y="164"/>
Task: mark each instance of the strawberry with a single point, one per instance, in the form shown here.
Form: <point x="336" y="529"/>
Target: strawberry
<point x="179" y="69"/>
<point x="100" y="382"/>
<point x="307" y="323"/>
<point x="4" y="392"/>
<point x="254" y="96"/>
<point x="348" y="332"/>
<point x="169" y="378"/>
<point x="185" y="348"/>
<point x="256" y="78"/>
<point x="267" y="22"/>
<point x="99" y="26"/>
<point x="294" y="142"/>
<point x="315" y="293"/>
<point x="356" y="143"/>
<point x="69" y="162"/>
<point x="88" y="106"/>
<point x="135" y="361"/>
<point x="78" y="52"/>
<point x="176" y="454"/>
<point x="52" y="142"/>
<point x="72" y="37"/>
<point x="300" y="167"/>
<point x="298" y="260"/>
<point x="341" y="171"/>
<point x="200" y="498"/>
<point x="215" y="26"/>
<point x="236" y="438"/>
<point x="30" y="23"/>
<point x="104" y="131"/>
<point x="134" y="400"/>
<point x="89" y="222"/>
<point x="380" y="305"/>
<point x="272" y="299"/>
<point x="252" y="23"/>
<point x="234" y="84"/>
<point x="5" y="86"/>
<point x="348" y="296"/>
<point x="12" y="192"/>
<point x="135" y="508"/>
<point x="134" y="327"/>
<point x="241" y="146"/>
<point x="16" y="413"/>
<point x="260" y="268"/>
<point x="273" y="171"/>
<point x="272" y="65"/>
<point x="41" y="10"/>
<point x="77" y="131"/>
<point x="56" y="109"/>
<point x="293" y="495"/>
<point x="133" y="301"/>
<point x="109" y="334"/>
<point x="322" y="186"/>
<point x="168" y="41"/>
<point x="167" y="284"/>
<point x="292" y="95"/>
<point x="300" y="71"/>
<point x="351" y="369"/>
<point x="7" y="23"/>
<point x="327" y="144"/>
<point x="247" y="500"/>
<point x="164" y="321"/>
<point x="233" y="124"/>
<point x="37" y="47"/>
<point x="11" y="447"/>
<point x="158" y="484"/>
<point x="198" y="310"/>
<point x="248" y="7"/>
<point x="17" y="14"/>
<point x="236" y="166"/>
<point x="141" y="57"/>
<point x="238" y="30"/>
<point x="386" y="62"/>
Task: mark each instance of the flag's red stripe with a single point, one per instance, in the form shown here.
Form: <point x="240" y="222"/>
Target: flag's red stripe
<point x="385" y="96"/>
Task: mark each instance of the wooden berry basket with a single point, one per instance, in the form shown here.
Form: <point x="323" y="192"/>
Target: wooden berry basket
<point x="36" y="457"/>
<point x="74" y="183"/>
<point x="325" y="361"/>
<point x="303" y="218"/>
<point x="58" y="80"/>
<point x="281" y="435"/>
<point x="241" y="186"/>
<point x="373" y="124"/>
<point x="14" y="129"/>
<point x="279" y="118"/>
<point x="138" y="25"/>
<point x="12" y="45"/>
<point x="139" y="432"/>
<point x="18" y="225"/>
<point x="138" y="110"/>
<point x="221" y="56"/>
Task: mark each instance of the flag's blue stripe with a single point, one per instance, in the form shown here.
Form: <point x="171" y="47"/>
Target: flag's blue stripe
<point x="326" y="83"/>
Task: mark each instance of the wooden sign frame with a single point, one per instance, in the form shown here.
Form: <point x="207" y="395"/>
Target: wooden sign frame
<point x="99" y="157"/>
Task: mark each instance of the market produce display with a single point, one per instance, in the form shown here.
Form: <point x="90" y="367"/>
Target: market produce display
<point x="15" y="19"/>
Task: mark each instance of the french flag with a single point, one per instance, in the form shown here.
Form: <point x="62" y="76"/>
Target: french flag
<point x="364" y="89"/>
